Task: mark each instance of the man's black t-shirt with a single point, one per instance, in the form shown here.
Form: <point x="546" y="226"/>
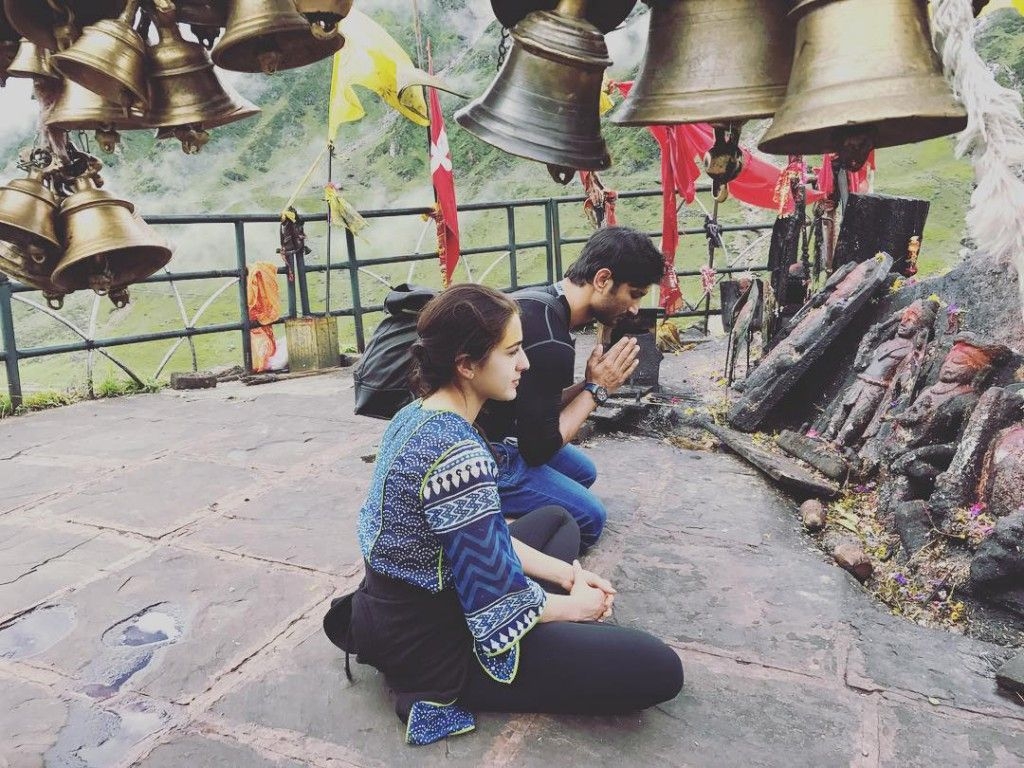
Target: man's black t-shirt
<point x="532" y="417"/>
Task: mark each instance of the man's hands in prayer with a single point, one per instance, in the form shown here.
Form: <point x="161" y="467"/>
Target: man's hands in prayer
<point x="611" y="369"/>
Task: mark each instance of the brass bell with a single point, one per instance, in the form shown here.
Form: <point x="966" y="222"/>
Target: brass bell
<point x="711" y="61"/>
<point x="856" y="85"/>
<point x="324" y="15"/>
<point x="80" y="109"/>
<point x="606" y="15"/>
<point x="109" y="59"/>
<point x="269" y="35"/>
<point x="55" y="26"/>
<point x="32" y="61"/>
<point x="543" y="104"/>
<point x="8" y="52"/>
<point x="104" y="246"/>
<point x="204" y="13"/>
<point x="185" y="89"/>
<point x="19" y="264"/>
<point x="28" y="213"/>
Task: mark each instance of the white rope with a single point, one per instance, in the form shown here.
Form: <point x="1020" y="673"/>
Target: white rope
<point x="994" y="138"/>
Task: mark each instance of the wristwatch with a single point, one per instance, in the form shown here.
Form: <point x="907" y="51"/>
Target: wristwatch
<point x="600" y="393"/>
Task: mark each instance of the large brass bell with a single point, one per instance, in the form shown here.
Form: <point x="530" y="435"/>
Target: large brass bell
<point x="324" y="15"/>
<point x="269" y="35"/>
<point x="711" y="61"/>
<point x="543" y="104"/>
<point x="105" y="248"/>
<point x="28" y="213"/>
<point x="80" y="109"/>
<point x="859" y="84"/>
<point x="32" y="61"/>
<point x="109" y="59"/>
<point x="55" y="25"/>
<point x="32" y="270"/>
<point x="8" y="52"/>
<point x="186" y="91"/>
<point x="606" y="15"/>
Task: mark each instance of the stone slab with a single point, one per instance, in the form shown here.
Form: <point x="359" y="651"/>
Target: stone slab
<point x="784" y="611"/>
<point x="32" y="717"/>
<point x="156" y="497"/>
<point x="722" y="719"/>
<point x="787" y="473"/>
<point x="923" y="736"/>
<point x="311" y="522"/>
<point x="890" y="654"/>
<point x="816" y="453"/>
<point x="26" y="481"/>
<point x="36" y="562"/>
<point x="122" y="442"/>
<point x="200" y="752"/>
<point x="1010" y="674"/>
<point x="305" y="690"/>
<point x="168" y="625"/>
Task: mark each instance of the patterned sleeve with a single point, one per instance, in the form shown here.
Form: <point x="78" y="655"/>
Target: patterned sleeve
<point x="460" y="500"/>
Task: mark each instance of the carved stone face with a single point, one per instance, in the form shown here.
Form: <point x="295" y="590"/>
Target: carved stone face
<point x="958" y="367"/>
<point x="910" y="323"/>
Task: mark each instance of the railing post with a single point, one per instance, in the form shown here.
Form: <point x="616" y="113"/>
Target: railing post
<point x="353" y="276"/>
<point x="555" y="270"/>
<point x="513" y="266"/>
<point x="243" y="295"/>
<point x="10" y="343"/>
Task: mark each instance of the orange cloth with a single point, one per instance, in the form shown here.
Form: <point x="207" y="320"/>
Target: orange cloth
<point x="264" y="298"/>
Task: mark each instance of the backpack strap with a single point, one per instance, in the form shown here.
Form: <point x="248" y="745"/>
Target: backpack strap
<point x="547" y="298"/>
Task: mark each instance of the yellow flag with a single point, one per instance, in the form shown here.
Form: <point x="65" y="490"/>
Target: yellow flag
<point x="995" y="5"/>
<point x="371" y="58"/>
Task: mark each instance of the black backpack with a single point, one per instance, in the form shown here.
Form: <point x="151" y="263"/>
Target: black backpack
<point x="382" y="376"/>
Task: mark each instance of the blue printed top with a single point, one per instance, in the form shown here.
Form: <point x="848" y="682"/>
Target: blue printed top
<point x="432" y="518"/>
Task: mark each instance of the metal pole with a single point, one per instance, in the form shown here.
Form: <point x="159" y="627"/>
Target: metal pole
<point x="513" y="267"/>
<point x="327" y="290"/>
<point x="556" y="241"/>
<point x="243" y="296"/>
<point x="353" y="275"/>
<point x="10" y="344"/>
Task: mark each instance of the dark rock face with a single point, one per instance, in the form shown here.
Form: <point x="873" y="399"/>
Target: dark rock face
<point x="913" y="525"/>
<point x="997" y="571"/>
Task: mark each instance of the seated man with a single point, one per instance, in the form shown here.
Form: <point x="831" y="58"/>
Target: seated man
<point x="530" y="434"/>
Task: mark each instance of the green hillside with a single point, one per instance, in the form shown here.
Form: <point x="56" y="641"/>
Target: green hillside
<point x="381" y="162"/>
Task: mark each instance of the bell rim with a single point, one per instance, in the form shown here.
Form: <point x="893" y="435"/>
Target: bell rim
<point x="514" y="144"/>
<point x="156" y="257"/>
<point x="236" y="57"/>
<point x="664" y="109"/>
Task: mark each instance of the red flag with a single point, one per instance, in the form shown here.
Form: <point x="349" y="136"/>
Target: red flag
<point x="446" y="213"/>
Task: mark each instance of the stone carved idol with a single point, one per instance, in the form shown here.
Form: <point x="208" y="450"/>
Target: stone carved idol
<point x="885" y="372"/>
<point x="927" y="433"/>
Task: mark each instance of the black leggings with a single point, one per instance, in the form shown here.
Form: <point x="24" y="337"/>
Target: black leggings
<point x="568" y="667"/>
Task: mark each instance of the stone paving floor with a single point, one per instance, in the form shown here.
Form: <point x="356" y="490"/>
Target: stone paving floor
<point x="165" y="562"/>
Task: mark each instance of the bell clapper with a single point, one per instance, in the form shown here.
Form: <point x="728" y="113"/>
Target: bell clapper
<point x="323" y="25"/>
<point x="724" y="161"/>
<point x="853" y="146"/>
<point x="270" y="61"/>
<point x="108" y="139"/>
<point x="119" y="296"/>
<point x="561" y="174"/>
<point x="54" y="301"/>
<point x="207" y="36"/>
<point x="192" y="137"/>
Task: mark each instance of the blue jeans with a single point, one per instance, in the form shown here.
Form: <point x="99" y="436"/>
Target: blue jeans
<point x="564" y="481"/>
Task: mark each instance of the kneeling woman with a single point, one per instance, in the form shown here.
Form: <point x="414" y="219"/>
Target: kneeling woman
<point x="452" y="610"/>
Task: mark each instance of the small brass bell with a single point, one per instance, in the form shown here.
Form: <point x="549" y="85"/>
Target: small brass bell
<point x="186" y="91"/>
<point x="104" y="247"/>
<point x="109" y="59"/>
<point x="79" y="109"/>
<point x="8" y="52"/>
<point x="711" y="61"/>
<point x="28" y="213"/>
<point x="543" y="104"/>
<point x="23" y="267"/>
<point x="32" y="61"/>
<point x="324" y="15"/>
<point x="856" y="85"/>
<point x="56" y="25"/>
<point x="269" y="35"/>
<point x="606" y="15"/>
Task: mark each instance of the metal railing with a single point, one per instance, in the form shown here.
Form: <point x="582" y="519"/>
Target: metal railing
<point x="552" y="245"/>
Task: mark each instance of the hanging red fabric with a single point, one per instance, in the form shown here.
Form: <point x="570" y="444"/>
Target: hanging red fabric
<point x="447" y="212"/>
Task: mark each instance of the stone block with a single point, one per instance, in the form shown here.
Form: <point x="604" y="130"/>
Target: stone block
<point x="193" y="380"/>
